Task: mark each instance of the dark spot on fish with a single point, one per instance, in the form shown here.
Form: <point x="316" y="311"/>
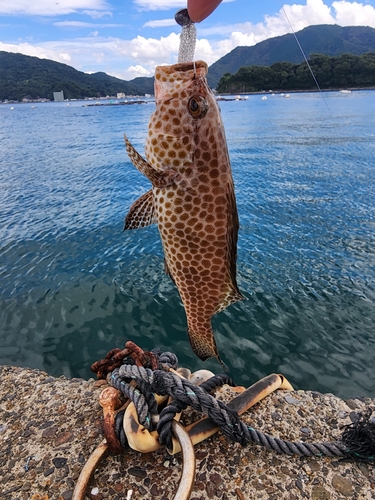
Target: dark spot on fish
<point x="203" y="178"/>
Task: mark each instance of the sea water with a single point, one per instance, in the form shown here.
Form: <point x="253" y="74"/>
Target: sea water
<point x="74" y="285"/>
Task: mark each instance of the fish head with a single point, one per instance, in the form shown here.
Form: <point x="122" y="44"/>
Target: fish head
<point x="186" y="113"/>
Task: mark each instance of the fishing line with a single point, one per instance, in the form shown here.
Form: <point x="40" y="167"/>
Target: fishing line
<point x="306" y="60"/>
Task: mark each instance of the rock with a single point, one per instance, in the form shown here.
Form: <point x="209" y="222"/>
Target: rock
<point x="137" y="472"/>
<point x="291" y="400"/>
<point x="342" y="485"/>
<point x="59" y="462"/>
<point x="320" y="493"/>
<point x="67" y="495"/>
<point x="48" y="472"/>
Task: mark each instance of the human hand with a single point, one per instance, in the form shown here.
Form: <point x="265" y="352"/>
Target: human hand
<point x="200" y="9"/>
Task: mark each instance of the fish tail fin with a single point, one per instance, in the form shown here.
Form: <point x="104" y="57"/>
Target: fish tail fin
<point x="203" y="342"/>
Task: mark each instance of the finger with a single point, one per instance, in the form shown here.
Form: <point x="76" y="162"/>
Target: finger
<point x="200" y="9"/>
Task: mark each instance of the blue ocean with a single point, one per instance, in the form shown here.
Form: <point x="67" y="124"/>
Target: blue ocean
<point x="74" y="285"/>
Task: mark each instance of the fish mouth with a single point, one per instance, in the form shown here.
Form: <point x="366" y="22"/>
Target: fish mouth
<point x="176" y="77"/>
<point x="183" y="67"/>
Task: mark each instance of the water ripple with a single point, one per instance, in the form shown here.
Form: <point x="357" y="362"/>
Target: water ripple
<point x="74" y="285"/>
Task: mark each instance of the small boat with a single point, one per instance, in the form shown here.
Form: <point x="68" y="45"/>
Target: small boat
<point x="287" y="96"/>
<point x="264" y="98"/>
<point x="344" y="91"/>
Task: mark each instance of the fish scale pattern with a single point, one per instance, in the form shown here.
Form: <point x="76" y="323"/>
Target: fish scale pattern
<point x="196" y="214"/>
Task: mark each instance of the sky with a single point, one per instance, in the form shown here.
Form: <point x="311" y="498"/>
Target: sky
<point x="128" y="38"/>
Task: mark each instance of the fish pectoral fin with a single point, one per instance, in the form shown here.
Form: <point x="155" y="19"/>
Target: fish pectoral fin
<point x="158" y="178"/>
<point x="141" y="212"/>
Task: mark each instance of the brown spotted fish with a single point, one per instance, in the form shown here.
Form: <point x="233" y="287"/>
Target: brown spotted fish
<point x="192" y="197"/>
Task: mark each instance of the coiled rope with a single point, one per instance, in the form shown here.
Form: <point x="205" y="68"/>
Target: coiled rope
<point x="140" y="383"/>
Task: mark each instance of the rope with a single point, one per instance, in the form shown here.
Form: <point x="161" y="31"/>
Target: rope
<point x="140" y="383"/>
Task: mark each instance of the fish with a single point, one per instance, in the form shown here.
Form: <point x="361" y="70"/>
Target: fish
<point x="192" y="199"/>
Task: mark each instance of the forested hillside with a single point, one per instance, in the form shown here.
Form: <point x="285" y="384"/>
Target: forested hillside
<point x="328" y="39"/>
<point x="331" y="72"/>
<point x="24" y="76"/>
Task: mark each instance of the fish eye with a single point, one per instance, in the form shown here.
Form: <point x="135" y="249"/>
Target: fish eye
<point x="197" y="106"/>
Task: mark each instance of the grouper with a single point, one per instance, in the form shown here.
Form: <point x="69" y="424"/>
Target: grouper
<point x="192" y="198"/>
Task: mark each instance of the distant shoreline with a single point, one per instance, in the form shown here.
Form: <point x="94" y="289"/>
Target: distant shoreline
<point x="152" y="98"/>
<point x="268" y="92"/>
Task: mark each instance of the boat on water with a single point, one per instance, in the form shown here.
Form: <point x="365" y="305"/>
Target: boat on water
<point x="344" y="91"/>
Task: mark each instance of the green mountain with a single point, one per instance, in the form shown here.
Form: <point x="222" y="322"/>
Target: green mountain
<point x="24" y="76"/>
<point x="342" y="71"/>
<point x="327" y="39"/>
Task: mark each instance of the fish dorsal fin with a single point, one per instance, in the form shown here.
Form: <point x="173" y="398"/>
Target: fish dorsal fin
<point x="141" y="213"/>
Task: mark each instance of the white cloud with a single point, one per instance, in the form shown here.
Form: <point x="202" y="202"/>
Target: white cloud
<point x="107" y="54"/>
<point x="138" y="56"/>
<point x="160" y="23"/>
<point x="37" y="51"/>
<point x="354" y="14"/>
<point x="159" y="4"/>
<point x="82" y="24"/>
<point x="290" y="17"/>
<point x="164" y="4"/>
<point x="95" y="14"/>
<point x="133" y="72"/>
<point x="49" y="7"/>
